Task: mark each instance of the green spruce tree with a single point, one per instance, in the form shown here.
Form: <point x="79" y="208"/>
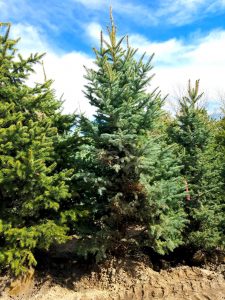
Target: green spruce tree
<point x="193" y="131"/>
<point x="32" y="193"/>
<point x="220" y="148"/>
<point x="128" y="177"/>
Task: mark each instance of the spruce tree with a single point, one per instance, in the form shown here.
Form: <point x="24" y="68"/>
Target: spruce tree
<point x="193" y="131"/>
<point x="220" y="147"/>
<point x="127" y="176"/>
<point x="32" y="193"/>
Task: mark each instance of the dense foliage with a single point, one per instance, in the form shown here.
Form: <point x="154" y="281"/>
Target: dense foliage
<point x="31" y="192"/>
<point x="194" y="132"/>
<point x="132" y="186"/>
<point x="130" y="177"/>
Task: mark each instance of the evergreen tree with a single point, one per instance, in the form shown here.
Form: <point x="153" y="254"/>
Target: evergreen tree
<point x="193" y="132"/>
<point x="32" y="193"/>
<point x="127" y="175"/>
<point x="220" y="141"/>
<point x="220" y="147"/>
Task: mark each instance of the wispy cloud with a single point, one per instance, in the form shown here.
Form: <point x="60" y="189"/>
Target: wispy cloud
<point x="66" y="69"/>
<point x="32" y="38"/>
<point x="176" y="59"/>
<point x="59" y="17"/>
<point x="2" y="4"/>
<point x="174" y="12"/>
<point x="93" y="30"/>
<point x="138" y="12"/>
<point x="180" y="12"/>
<point x="53" y="15"/>
<point x="95" y="4"/>
<point x="175" y="62"/>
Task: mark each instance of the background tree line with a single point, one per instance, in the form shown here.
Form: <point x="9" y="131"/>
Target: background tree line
<point x="131" y="177"/>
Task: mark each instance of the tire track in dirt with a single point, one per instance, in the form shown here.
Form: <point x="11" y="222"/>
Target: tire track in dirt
<point x="128" y="280"/>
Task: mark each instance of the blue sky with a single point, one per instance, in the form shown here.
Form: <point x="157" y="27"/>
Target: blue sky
<point x="188" y="38"/>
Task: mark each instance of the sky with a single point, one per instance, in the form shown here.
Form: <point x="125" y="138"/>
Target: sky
<point x="187" y="37"/>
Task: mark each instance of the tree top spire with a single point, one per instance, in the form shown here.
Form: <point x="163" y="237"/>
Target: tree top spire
<point x="8" y="26"/>
<point x="111" y="17"/>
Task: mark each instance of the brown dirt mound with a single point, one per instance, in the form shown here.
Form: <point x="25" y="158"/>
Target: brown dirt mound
<point x="119" y="279"/>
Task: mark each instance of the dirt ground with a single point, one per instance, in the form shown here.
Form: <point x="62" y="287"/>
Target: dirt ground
<point x="120" y="279"/>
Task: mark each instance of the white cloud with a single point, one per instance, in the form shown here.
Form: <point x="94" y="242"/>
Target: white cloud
<point x="32" y="40"/>
<point x="175" y="62"/>
<point x="165" y="52"/>
<point x="66" y="69"/>
<point x="179" y="12"/>
<point x="138" y="12"/>
<point x="175" y="12"/>
<point x="2" y="4"/>
<point x="92" y="3"/>
<point x="93" y="31"/>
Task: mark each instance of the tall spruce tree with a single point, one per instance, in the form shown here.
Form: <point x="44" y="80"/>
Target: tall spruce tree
<point x="193" y="131"/>
<point x="32" y="194"/>
<point x="128" y="176"/>
<point x="220" y="147"/>
<point x="220" y="140"/>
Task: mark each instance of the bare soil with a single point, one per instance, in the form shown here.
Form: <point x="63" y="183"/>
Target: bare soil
<point x="123" y="279"/>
